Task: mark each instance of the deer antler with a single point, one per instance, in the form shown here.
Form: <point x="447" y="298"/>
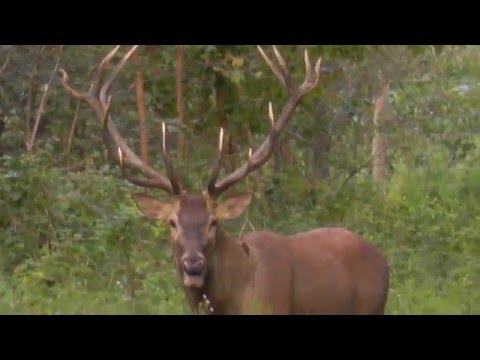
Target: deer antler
<point x="264" y="152"/>
<point x="99" y="99"/>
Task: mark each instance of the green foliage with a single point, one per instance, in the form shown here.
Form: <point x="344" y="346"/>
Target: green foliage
<point x="68" y="249"/>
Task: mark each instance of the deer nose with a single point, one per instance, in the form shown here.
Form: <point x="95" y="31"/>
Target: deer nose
<point x="194" y="264"/>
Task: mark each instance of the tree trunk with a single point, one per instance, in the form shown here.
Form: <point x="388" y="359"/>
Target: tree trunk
<point x="379" y="146"/>
<point x="179" y="73"/>
<point x="139" y="87"/>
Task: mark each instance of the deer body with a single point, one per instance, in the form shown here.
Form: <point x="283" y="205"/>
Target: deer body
<point x="337" y="272"/>
<point x="322" y="271"/>
<point x="250" y="277"/>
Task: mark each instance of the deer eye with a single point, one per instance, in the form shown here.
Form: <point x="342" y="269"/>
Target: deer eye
<point x="213" y="223"/>
<point x="173" y="225"/>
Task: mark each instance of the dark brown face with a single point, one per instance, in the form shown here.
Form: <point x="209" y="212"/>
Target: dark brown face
<point x="193" y="230"/>
<point x="193" y="222"/>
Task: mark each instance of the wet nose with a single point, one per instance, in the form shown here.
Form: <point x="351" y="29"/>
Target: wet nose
<point x="194" y="264"/>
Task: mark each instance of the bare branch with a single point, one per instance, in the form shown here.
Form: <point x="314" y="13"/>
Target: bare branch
<point x="5" y="63"/>
<point x="41" y="107"/>
<point x="72" y="132"/>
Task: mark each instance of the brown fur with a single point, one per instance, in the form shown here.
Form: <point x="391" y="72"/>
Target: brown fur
<point x="323" y="271"/>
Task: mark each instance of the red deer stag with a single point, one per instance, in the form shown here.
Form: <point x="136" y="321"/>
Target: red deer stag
<point x="321" y="271"/>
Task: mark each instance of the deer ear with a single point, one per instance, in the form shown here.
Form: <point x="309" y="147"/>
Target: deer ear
<point x="233" y="206"/>
<point x="152" y="208"/>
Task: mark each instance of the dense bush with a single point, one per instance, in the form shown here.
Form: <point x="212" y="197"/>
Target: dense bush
<point x="68" y="249"/>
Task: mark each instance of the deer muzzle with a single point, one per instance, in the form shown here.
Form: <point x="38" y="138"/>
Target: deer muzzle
<point x="194" y="269"/>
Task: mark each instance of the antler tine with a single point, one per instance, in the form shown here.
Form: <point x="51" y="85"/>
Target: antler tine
<point x="283" y="66"/>
<point x="308" y="64"/>
<point x="97" y="83"/>
<point x="216" y="165"/>
<point x="69" y="89"/>
<point x="280" y="58"/>
<point x="99" y="100"/>
<point x="312" y="76"/>
<point x="270" y="115"/>
<point x="105" y="89"/>
<point x="274" y="67"/>
<point x="265" y="150"/>
<point x="167" y="160"/>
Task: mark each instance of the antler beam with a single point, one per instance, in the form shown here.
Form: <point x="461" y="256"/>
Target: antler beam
<point x="99" y="99"/>
<point x="264" y="152"/>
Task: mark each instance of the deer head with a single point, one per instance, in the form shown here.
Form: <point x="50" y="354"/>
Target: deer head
<point x="193" y="217"/>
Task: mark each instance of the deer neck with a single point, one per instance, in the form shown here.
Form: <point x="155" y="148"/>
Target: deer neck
<point x="230" y="272"/>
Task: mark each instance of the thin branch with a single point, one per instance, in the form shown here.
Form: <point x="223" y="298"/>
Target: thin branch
<point x="41" y="107"/>
<point x="5" y="63"/>
<point x="72" y="132"/>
